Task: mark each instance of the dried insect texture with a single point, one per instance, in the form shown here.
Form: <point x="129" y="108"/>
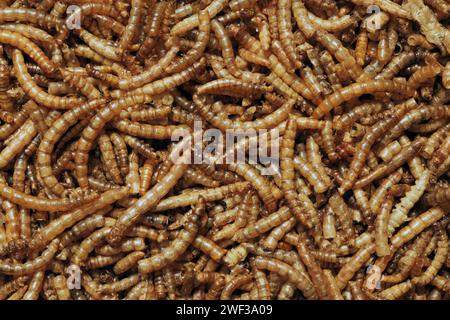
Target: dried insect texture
<point x="115" y="139"/>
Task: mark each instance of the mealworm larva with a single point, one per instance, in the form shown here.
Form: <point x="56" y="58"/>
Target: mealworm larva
<point x="82" y="84"/>
<point x="346" y="120"/>
<point x="398" y="63"/>
<point x="133" y="244"/>
<point x="132" y="28"/>
<point x="192" y="22"/>
<point x="57" y="226"/>
<point x="328" y="141"/>
<point x="429" y="25"/>
<point x="287" y="174"/>
<point x="399" y="214"/>
<point x="148" y="131"/>
<point x="333" y="292"/>
<point x="197" y="50"/>
<point x="356" y="89"/>
<point x="310" y="174"/>
<point x="235" y="255"/>
<point x="81" y="253"/>
<point x="361" y="48"/>
<point x="314" y="269"/>
<point x="355" y="263"/>
<point x="271" y="241"/>
<point x="146" y="173"/>
<point x="13" y="285"/>
<point x="52" y="135"/>
<point x="381" y="191"/>
<point x="423" y="74"/>
<point x="262" y="284"/>
<point x="60" y="285"/>
<point x="417" y="225"/>
<point x="368" y="140"/>
<point x="87" y="225"/>
<point x="390" y="150"/>
<point x="121" y="152"/>
<point x="29" y="87"/>
<point x="209" y="247"/>
<point x="438" y="260"/>
<point x="146" y="202"/>
<point x="285" y="31"/>
<point x="106" y="148"/>
<point x="381" y="228"/>
<point x="259" y="182"/>
<point x="132" y="179"/>
<point x="285" y="270"/>
<point x="234" y="284"/>
<point x="253" y="58"/>
<point x="146" y="114"/>
<point x="12" y="223"/>
<point x="168" y="83"/>
<point x="190" y="198"/>
<point x="267" y="122"/>
<point x="386" y="168"/>
<point x="396" y="291"/>
<point x="178" y="246"/>
<point x="263" y="225"/>
<point x="35" y="16"/>
<point x="33" y="265"/>
<point x="100" y="46"/>
<point x="34" y="287"/>
<point x="226" y="47"/>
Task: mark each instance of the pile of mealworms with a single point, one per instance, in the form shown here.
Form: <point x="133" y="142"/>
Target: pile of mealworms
<point x="93" y="206"/>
